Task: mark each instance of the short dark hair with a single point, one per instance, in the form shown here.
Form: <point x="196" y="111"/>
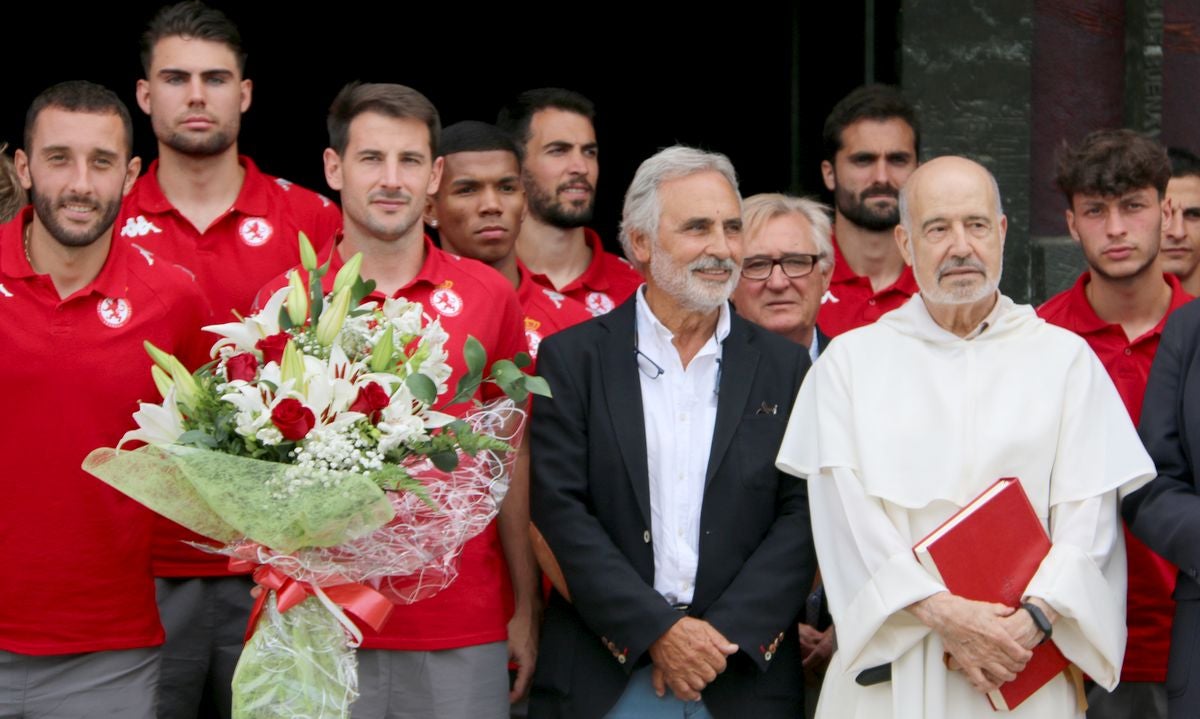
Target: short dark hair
<point x="79" y="96"/>
<point x="475" y="136"/>
<point x="869" y="102"/>
<point x="1111" y="163"/>
<point x="1184" y="163"/>
<point x="516" y="117"/>
<point x="192" y="19"/>
<point x="390" y="100"/>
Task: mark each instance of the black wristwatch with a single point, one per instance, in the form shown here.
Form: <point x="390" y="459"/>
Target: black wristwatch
<point x="1039" y="619"/>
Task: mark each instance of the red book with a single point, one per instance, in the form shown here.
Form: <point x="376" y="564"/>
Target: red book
<point x="989" y="551"/>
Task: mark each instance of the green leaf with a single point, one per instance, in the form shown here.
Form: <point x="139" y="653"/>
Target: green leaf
<point x="466" y="388"/>
<point x="198" y="438"/>
<point x="522" y="360"/>
<point x="538" y="386"/>
<point x="505" y="373"/>
<point x="422" y="387"/>
<point x="285" y="320"/>
<point x="445" y="461"/>
<point x="475" y="355"/>
<point x="360" y="290"/>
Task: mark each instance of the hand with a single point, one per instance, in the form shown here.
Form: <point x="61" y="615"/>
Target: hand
<point x="975" y="637"/>
<point x="1021" y="628"/>
<point x="815" y="647"/>
<point x="688" y="657"/>
<point x="522" y="651"/>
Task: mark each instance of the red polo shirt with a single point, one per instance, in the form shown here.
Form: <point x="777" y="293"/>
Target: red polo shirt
<point x="76" y="552"/>
<point x="850" y="301"/>
<point x="251" y="243"/>
<point x="546" y="311"/>
<point x="608" y="280"/>
<point x="471" y="299"/>
<point x="1149" y="609"/>
<point x="243" y="249"/>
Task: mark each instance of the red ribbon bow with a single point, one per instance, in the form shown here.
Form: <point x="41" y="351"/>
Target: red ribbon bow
<point x="363" y="602"/>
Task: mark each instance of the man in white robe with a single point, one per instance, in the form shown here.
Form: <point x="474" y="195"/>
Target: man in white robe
<point x="921" y="412"/>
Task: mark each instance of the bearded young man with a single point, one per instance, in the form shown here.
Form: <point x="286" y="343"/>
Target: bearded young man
<point x="871" y="142"/>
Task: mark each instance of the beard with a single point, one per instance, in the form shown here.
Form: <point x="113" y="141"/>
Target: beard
<point x="856" y="209"/>
<point x="47" y="212"/>
<point x="681" y="283"/>
<point x="960" y="294"/>
<point x="548" y="208"/>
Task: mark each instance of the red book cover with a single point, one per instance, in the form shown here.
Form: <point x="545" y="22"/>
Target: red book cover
<point x="989" y="551"/>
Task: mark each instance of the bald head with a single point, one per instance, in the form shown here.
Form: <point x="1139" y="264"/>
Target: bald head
<point x="952" y="231"/>
<point x="946" y="168"/>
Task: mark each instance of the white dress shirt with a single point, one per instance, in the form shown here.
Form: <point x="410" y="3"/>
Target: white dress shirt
<point x="680" y="411"/>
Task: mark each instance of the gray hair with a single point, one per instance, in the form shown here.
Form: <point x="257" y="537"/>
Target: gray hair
<point x="906" y="220"/>
<point x="759" y="209"/>
<point x="642" y="205"/>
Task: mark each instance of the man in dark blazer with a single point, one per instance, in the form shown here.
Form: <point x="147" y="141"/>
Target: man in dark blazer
<point x="1165" y="514"/>
<point x="686" y="554"/>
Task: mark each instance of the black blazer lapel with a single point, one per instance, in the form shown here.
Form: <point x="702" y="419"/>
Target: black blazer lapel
<point x="622" y="392"/>
<point x="739" y="360"/>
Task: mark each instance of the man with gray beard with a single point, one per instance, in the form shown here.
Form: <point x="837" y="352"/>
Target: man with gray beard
<point x="922" y="411"/>
<point x="686" y="555"/>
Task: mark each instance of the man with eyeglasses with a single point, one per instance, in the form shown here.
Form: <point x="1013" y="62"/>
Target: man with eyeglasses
<point x="687" y="555"/>
<point x="785" y="239"/>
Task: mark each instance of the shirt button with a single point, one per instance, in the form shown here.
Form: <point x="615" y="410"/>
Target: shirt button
<point x="646" y="536"/>
<point x="768" y="656"/>
<point x="871" y="302"/>
<point x="1128" y="351"/>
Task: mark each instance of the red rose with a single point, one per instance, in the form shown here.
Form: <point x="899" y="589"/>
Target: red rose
<point x="371" y="400"/>
<point x="272" y="347"/>
<point x="293" y="419"/>
<point x="242" y="366"/>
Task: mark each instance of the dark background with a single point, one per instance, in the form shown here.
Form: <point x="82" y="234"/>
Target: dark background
<point x="724" y="81"/>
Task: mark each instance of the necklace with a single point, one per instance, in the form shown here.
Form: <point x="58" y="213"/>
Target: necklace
<point x="28" y="234"/>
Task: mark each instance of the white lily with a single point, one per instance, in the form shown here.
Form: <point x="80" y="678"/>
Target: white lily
<point x="245" y="334"/>
<point x="158" y="424"/>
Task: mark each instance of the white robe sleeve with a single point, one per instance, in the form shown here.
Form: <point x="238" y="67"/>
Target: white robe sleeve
<point x="1083" y="579"/>
<point x="868" y="568"/>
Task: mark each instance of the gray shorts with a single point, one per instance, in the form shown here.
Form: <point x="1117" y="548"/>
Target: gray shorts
<point x="205" y="621"/>
<point x="466" y="683"/>
<point x="79" y="686"/>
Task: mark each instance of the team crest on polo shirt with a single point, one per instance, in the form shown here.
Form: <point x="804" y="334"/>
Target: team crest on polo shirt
<point x="598" y="303"/>
<point x="255" y="231"/>
<point x="114" y="311"/>
<point x="532" y="337"/>
<point x="445" y="300"/>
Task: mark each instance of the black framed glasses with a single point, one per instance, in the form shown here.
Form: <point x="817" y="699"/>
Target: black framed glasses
<point x="794" y="266"/>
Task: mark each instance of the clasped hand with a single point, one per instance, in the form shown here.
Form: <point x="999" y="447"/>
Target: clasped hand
<point x="688" y="657"/>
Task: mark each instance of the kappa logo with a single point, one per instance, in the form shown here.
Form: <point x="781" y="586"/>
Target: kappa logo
<point x="533" y="339"/>
<point x="599" y="303"/>
<point x="555" y="297"/>
<point x="446" y="301"/>
<point x="146" y="254"/>
<point x="828" y="297"/>
<point x="114" y="311"/>
<point x="4" y="291"/>
<point x="139" y="227"/>
<point x="285" y="184"/>
<point x="255" y="231"/>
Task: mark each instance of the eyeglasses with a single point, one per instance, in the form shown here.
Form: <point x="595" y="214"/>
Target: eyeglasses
<point x="793" y="266"/>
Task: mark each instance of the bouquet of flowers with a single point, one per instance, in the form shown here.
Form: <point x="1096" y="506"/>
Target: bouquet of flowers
<point x="311" y="450"/>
